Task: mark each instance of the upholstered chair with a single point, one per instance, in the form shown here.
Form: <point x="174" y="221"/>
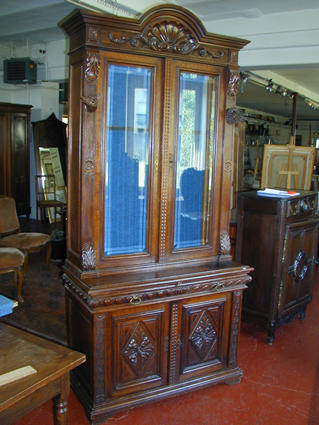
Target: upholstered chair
<point x="12" y="260"/>
<point x="11" y="237"/>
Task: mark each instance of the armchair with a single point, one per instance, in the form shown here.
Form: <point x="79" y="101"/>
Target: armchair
<point x="12" y="260"/>
<point x="12" y="237"/>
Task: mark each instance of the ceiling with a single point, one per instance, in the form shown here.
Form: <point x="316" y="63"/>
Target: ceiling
<point x="36" y="21"/>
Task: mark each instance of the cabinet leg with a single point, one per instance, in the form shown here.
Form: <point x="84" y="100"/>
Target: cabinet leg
<point x="271" y="333"/>
<point x="233" y="381"/>
<point x="302" y="313"/>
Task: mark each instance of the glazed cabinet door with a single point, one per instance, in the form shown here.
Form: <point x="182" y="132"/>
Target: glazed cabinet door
<point x="301" y="241"/>
<point x="138" y="349"/>
<point x="194" y="146"/>
<point x="202" y="342"/>
<point x="129" y="134"/>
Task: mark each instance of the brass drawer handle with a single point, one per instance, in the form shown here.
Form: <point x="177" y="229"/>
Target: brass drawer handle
<point x="135" y="300"/>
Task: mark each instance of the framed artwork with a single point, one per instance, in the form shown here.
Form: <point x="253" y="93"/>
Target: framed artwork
<point x="287" y="166"/>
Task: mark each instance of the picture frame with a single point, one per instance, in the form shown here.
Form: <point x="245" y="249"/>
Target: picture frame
<point x="287" y="166"/>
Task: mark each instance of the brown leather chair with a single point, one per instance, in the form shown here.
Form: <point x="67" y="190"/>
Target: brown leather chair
<point x="10" y="235"/>
<point x="12" y="260"/>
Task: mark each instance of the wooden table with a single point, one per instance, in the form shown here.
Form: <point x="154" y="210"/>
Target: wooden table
<point x="52" y="363"/>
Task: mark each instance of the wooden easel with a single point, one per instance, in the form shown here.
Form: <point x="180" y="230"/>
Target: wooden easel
<point x="291" y="171"/>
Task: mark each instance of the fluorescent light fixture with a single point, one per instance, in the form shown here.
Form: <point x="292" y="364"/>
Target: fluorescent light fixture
<point x="110" y="6"/>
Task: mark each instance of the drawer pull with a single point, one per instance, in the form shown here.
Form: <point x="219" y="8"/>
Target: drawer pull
<point x="135" y="300"/>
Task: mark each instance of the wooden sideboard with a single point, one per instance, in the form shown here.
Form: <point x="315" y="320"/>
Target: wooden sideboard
<point x="279" y="238"/>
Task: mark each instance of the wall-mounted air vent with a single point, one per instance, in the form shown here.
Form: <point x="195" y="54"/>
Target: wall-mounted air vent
<point x="19" y="71"/>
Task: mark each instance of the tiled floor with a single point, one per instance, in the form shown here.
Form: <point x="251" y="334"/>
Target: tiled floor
<point x="280" y="386"/>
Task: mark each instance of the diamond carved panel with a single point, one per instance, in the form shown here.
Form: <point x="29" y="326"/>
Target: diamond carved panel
<point x="138" y="348"/>
<point x="204" y="335"/>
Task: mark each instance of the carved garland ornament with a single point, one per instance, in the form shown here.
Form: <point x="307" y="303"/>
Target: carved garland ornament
<point x="92" y="67"/>
<point x="233" y="83"/>
<point x="167" y="37"/>
<point x="88" y="258"/>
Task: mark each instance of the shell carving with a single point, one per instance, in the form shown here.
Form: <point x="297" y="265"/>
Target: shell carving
<point x="171" y="37"/>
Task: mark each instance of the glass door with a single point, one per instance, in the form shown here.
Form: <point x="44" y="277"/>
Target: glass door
<point x="195" y="152"/>
<point x="195" y="134"/>
<point x="129" y="154"/>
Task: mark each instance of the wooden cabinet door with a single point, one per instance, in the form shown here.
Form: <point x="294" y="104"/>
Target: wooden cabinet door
<point x="5" y="154"/>
<point x="139" y="337"/>
<point x="20" y="161"/>
<point x="203" y="341"/>
<point x="299" y="255"/>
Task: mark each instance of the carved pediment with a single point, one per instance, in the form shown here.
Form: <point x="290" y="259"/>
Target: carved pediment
<point x="167" y="36"/>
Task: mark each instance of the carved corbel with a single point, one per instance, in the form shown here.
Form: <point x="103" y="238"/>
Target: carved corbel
<point x="234" y="116"/>
<point x="90" y="102"/>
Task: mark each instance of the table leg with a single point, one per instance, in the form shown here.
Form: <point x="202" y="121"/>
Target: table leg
<point x="60" y="402"/>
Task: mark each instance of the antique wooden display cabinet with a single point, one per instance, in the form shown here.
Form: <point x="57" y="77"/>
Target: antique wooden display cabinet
<point x="279" y="238"/>
<point x="153" y="297"/>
